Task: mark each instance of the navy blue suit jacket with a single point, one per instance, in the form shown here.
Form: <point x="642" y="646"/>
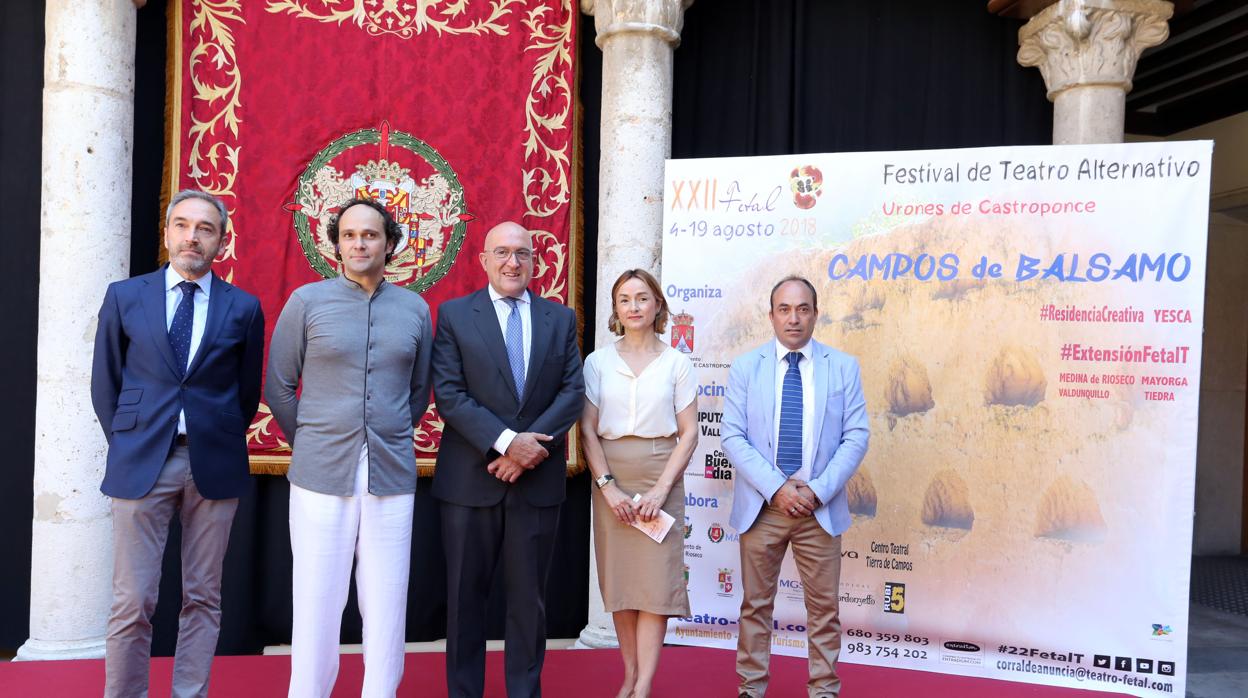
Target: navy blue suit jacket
<point x="476" y="396"/>
<point x="137" y="390"/>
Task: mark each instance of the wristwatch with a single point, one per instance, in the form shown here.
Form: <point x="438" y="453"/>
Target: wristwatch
<point x="602" y="481"/>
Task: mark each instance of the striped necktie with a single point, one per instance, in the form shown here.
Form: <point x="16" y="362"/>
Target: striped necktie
<point x="789" y="443"/>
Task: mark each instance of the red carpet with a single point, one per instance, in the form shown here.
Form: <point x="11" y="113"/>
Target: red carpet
<point x="686" y="672"/>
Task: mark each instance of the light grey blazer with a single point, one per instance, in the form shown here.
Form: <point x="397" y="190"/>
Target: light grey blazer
<point x="841" y="433"/>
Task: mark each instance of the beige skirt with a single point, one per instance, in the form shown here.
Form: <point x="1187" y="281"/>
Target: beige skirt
<point x="634" y="572"/>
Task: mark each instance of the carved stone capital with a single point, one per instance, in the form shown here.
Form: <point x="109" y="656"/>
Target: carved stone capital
<point x="663" y="18"/>
<point x="1092" y="42"/>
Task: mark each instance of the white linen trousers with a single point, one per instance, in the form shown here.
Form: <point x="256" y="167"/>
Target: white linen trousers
<point x="326" y="532"/>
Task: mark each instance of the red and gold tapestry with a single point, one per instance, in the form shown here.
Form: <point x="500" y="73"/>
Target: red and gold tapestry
<point x="455" y="114"/>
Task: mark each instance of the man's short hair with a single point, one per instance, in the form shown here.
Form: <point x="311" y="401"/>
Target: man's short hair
<point x="394" y="234"/>
<point x="202" y="196"/>
<point x="814" y="296"/>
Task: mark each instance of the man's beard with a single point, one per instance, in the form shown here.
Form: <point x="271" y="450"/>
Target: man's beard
<point x="192" y="266"/>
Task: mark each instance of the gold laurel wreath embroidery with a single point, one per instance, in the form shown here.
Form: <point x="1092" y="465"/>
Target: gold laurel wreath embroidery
<point x="401" y="18"/>
<point x="214" y="44"/>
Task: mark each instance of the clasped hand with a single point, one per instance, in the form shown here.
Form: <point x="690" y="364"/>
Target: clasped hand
<point x="629" y="510"/>
<point x="795" y="498"/>
<point x="524" y="453"/>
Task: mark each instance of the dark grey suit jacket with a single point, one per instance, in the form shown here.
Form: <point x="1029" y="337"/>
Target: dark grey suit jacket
<point x="476" y="396"/>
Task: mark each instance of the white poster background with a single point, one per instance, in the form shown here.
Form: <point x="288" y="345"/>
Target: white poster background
<point x="1024" y="511"/>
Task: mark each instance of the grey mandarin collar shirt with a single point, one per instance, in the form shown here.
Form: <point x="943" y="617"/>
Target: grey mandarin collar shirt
<point x="364" y="364"/>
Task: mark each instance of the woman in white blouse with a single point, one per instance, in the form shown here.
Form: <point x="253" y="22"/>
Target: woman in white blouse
<point x="640" y="428"/>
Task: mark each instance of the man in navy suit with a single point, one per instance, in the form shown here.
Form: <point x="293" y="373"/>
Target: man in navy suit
<point x="507" y="380"/>
<point x="175" y="382"/>
<point x="795" y="426"/>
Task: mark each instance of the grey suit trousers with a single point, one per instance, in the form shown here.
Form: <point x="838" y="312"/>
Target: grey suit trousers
<point x="140" y="529"/>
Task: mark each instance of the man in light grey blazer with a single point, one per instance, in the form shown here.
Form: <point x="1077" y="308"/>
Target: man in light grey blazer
<point x="795" y="427"/>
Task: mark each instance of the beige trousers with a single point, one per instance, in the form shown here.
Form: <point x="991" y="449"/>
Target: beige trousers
<point x="818" y="558"/>
<point x="140" y="528"/>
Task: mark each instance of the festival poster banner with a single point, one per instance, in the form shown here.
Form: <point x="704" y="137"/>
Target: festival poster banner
<point x="1028" y="324"/>
<point x="455" y="114"/>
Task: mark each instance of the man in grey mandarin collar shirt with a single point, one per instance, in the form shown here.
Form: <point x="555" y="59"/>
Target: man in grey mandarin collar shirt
<point x="361" y="348"/>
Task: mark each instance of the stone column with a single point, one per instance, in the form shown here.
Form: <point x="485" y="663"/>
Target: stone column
<point x="1087" y="50"/>
<point x="88" y="133"/>
<point x="637" y="38"/>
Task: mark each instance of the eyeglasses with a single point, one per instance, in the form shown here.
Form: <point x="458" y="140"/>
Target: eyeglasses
<point x="502" y="254"/>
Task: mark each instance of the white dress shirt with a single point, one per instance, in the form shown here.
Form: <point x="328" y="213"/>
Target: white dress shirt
<point x="807" y="368"/>
<point x="642" y="405"/>
<point x="173" y="296"/>
<point x="503" y="310"/>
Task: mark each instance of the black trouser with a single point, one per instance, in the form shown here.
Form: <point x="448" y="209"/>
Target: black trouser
<point x="475" y="539"/>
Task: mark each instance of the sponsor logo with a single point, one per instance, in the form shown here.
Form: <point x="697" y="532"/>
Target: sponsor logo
<point x="1160" y="630"/>
<point x="894" y="597"/>
<point x="806" y="183"/>
<point x="717" y="467"/>
<point x="693" y="500"/>
<point x="674" y="291"/>
<point x="962" y="652"/>
<point x="859" y="601"/>
<point x="708" y="425"/>
<point x="686" y="572"/>
<point x="791" y="589"/>
<point x="715" y="533"/>
<point x="725" y="581"/>
<point x="712" y="389"/>
<point x="682" y="332"/>
<point x="688" y="532"/>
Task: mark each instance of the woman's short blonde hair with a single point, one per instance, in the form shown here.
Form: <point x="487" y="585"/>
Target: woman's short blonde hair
<point x="660" y="317"/>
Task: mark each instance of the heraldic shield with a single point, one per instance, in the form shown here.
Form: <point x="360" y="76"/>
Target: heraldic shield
<point x="682" y="332"/>
<point x="404" y="174"/>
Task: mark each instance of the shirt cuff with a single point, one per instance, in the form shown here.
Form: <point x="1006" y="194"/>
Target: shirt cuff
<point x="504" y="441"/>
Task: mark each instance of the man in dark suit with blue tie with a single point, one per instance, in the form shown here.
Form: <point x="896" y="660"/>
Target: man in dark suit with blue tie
<point x="507" y="380"/>
<point x="175" y="382"/>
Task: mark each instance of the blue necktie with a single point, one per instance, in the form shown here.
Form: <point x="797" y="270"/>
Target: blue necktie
<point x="515" y="345"/>
<point x="183" y="321"/>
<point x="789" y="443"/>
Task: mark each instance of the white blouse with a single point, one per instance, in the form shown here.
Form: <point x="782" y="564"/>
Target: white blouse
<point x="644" y="405"/>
